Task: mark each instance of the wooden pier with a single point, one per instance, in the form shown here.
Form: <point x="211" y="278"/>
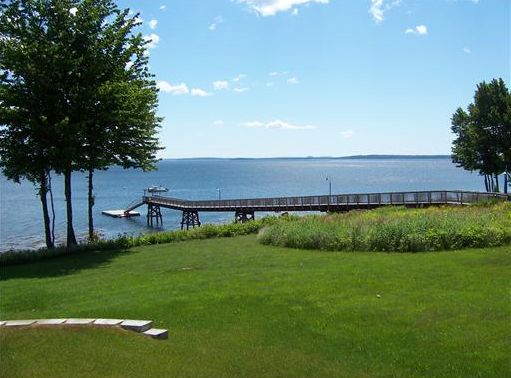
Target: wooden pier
<point x="245" y="209"/>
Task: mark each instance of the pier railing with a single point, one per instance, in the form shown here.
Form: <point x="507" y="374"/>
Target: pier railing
<point x="327" y="202"/>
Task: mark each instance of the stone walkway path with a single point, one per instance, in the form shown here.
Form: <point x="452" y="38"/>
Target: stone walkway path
<point x="141" y="326"/>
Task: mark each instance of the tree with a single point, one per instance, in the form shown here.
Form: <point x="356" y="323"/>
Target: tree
<point x="63" y="64"/>
<point x="483" y="134"/>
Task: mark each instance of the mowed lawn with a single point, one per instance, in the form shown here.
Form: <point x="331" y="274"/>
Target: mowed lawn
<point x="234" y="307"/>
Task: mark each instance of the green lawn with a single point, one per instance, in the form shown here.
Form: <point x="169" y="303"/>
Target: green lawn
<point x="234" y="307"/>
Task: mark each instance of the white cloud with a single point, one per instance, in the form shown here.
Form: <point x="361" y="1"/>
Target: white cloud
<point x="277" y="124"/>
<point x="153" y="40"/>
<point x="218" y="20"/>
<point x="240" y="90"/>
<point x="270" y="84"/>
<point x="218" y="123"/>
<point x="348" y="134"/>
<point x="292" y="80"/>
<point x="295" y="12"/>
<point x="179" y="89"/>
<point x="276" y="73"/>
<point x="376" y="10"/>
<point x="466" y="50"/>
<point x="272" y="7"/>
<point x="163" y="7"/>
<point x="239" y="78"/>
<point x="419" y="29"/>
<point x="379" y="7"/>
<point x="73" y="11"/>
<point x="152" y="24"/>
<point x="220" y="85"/>
<point x="199" y="92"/>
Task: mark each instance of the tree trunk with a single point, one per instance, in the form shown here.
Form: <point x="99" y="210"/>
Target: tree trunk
<point x="506" y="182"/>
<point x="52" y="203"/>
<point x="497" y="188"/>
<point x="91" y="205"/>
<point x="486" y="185"/>
<point x="43" y="190"/>
<point x="71" y="238"/>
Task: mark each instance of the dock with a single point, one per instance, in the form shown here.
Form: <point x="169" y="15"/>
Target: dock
<point x="120" y="213"/>
<point x="244" y="209"/>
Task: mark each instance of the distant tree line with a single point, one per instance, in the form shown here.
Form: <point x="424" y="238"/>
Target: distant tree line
<point x="483" y="135"/>
<point x="76" y="95"/>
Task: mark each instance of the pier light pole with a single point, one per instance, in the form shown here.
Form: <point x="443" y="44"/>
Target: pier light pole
<point x="219" y="195"/>
<point x="329" y="179"/>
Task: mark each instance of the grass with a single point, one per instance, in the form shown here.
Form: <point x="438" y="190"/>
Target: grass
<point x="234" y="307"/>
<point x="397" y="229"/>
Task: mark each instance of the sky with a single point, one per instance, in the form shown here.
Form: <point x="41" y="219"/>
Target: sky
<point x="282" y="78"/>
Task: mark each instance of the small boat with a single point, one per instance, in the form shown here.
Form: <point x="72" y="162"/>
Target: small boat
<point x="157" y="189"/>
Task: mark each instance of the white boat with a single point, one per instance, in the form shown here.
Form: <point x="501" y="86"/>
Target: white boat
<point x="157" y="189"/>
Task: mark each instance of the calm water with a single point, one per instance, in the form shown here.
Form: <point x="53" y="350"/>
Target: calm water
<point x="20" y="212"/>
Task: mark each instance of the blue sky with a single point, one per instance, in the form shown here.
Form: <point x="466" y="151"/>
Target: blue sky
<point x="268" y="78"/>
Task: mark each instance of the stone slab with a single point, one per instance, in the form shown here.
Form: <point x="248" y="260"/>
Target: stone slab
<point x="79" y="321"/>
<point x="108" y="322"/>
<point x="18" y="323"/>
<point x="157" y="333"/>
<point x="50" y="321"/>
<point x="137" y="325"/>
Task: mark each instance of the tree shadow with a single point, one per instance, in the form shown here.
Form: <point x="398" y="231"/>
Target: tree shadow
<point x="60" y="265"/>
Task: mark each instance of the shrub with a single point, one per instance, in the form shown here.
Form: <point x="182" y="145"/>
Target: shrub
<point x="397" y="229"/>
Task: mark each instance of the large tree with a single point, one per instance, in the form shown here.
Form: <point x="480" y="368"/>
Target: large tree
<point x="75" y="93"/>
<point x="483" y="134"/>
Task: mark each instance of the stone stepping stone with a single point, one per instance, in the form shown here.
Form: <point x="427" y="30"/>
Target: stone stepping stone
<point x="156" y="333"/>
<point x="108" y="322"/>
<point x="79" y="321"/>
<point x="137" y="325"/>
<point x="50" y="321"/>
<point x="18" y="323"/>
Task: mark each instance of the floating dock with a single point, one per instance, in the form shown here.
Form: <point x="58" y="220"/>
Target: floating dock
<point x="120" y="213"/>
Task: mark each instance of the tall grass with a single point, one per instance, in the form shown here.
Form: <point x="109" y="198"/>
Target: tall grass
<point x="124" y="242"/>
<point x="397" y="229"/>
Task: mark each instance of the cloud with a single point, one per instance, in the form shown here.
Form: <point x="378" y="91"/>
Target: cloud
<point x="276" y="73"/>
<point x="240" y="90"/>
<point x="270" y="84"/>
<point x="218" y="20"/>
<point x="348" y="134"/>
<point x="272" y="7"/>
<point x="466" y="50"/>
<point x="376" y="10"/>
<point x="292" y="80"/>
<point x="152" y="24"/>
<point x="379" y="7"/>
<point x="163" y="7"/>
<point x="295" y="12"/>
<point x="239" y="78"/>
<point x="218" y="123"/>
<point x="220" y="85"/>
<point x="419" y="29"/>
<point x="153" y="40"/>
<point x="277" y="124"/>
<point x="199" y="92"/>
<point x="179" y="89"/>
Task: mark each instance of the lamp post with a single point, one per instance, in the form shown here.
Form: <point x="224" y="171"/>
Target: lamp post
<point x="219" y="193"/>
<point x="329" y="179"/>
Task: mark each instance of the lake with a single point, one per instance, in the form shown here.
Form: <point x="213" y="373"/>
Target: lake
<point x="20" y="210"/>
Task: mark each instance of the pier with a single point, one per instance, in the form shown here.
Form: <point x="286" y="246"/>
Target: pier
<point x="245" y="209"/>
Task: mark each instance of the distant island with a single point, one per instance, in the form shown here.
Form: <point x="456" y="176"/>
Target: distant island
<point x="352" y="157"/>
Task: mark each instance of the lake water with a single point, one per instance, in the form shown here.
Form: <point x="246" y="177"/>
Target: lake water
<point x="20" y="210"/>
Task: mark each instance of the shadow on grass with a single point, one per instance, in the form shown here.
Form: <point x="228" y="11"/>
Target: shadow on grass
<point x="61" y="265"/>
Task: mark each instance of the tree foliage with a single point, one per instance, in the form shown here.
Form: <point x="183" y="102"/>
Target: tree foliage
<point x="483" y="133"/>
<point x="75" y="93"/>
